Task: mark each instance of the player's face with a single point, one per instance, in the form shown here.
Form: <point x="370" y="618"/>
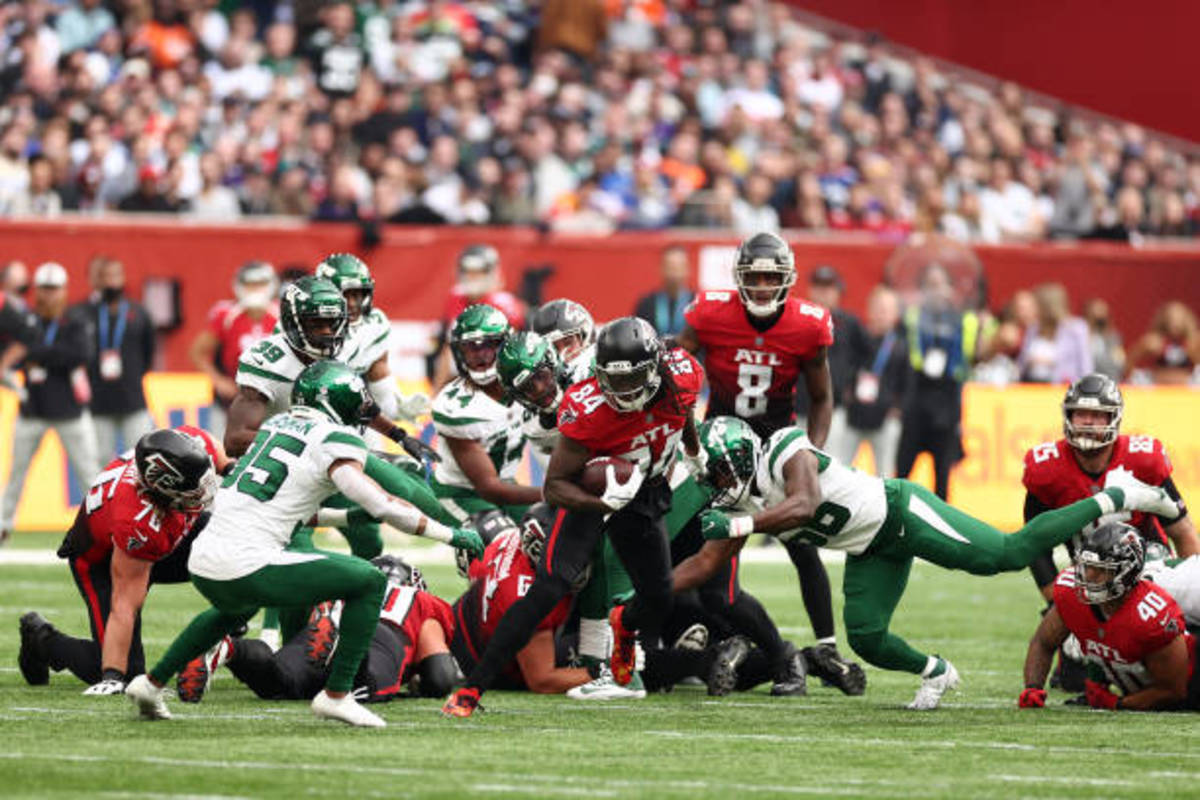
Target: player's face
<point x="1090" y="418"/>
<point x="1097" y="575"/>
<point x="480" y="355"/>
<point x="319" y="328"/>
<point x="354" y="302"/>
<point x="568" y="346"/>
<point x="540" y="389"/>
<point x="762" y="287"/>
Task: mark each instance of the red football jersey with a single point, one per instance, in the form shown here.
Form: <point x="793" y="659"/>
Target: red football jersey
<point x="504" y="302"/>
<point x="115" y="513"/>
<point x="236" y="331"/>
<point x="753" y="373"/>
<point x="1147" y="621"/>
<point x="648" y="437"/>
<point x="1053" y="476"/>
<point x="499" y="579"/>
<point x="407" y="608"/>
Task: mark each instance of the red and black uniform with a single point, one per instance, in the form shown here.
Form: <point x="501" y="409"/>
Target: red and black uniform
<point x="1053" y="479"/>
<point x="504" y="302"/>
<point x="501" y="578"/>
<point x="115" y="513"/>
<point x="752" y="370"/>
<point x="237" y="331"/>
<point x="639" y="537"/>
<point x="1148" y="620"/>
<point x="290" y="673"/>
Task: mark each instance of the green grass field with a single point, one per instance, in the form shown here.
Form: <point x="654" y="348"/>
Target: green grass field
<point x="54" y="742"/>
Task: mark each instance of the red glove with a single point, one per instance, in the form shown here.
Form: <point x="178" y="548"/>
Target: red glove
<point x="1032" y="697"/>
<point x="1099" y="696"/>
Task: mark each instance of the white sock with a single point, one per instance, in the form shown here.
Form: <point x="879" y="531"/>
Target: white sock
<point x="593" y="638"/>
<point x="931" y="663"/>
<point x="830" y="640"/>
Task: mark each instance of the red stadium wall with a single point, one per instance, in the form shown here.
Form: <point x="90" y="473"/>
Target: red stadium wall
<point x="414" y="265"/>
<point x="1130" y="60"/>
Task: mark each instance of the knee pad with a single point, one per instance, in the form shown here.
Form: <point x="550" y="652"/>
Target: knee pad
<point x="439" y="674"/>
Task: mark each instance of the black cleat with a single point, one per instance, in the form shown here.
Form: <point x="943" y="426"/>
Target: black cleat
<point x="33" y="659"/>
<point x="729" y="655"/>
<point x="825" y="662"/>
<point x="791" y="679"/>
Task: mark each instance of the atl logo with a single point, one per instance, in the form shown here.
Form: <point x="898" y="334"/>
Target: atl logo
<point x="758" y="357"/>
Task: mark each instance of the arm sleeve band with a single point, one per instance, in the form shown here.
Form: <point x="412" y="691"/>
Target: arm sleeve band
<point x="384" y="392"/>
<point x="379" y="504"/>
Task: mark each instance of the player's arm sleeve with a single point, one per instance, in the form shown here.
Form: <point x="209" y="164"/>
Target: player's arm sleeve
<point x="383" y="392"/>
<point x="1042" y="568"/>
<point x="255" y="374"/>
<point x="1173" y="491"/>
<point x="340" y="445"/>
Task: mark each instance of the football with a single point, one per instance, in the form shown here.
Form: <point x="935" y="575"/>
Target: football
<point x="593" y="479"/>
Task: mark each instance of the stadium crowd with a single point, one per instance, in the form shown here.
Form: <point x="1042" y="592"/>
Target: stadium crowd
<point x="575" y="114"/>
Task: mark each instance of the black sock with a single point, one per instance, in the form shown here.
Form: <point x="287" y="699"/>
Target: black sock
<point x="667" y="667"/>
<point x="814" y="588"/>
<point x="750" y="618"/>
<point x="516" y="627"/>
<point x="80" y="656"/>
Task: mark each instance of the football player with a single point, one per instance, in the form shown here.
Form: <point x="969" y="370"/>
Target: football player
<point x="1131" y="631"/>
<point x="480" y="430"/>
<point x="1092" y="447"/>
<point x="570" y="328"/>
<point x="882" y="525"/>
<point x="638" y="406"/>
<point x="409" y="647"/>
<point x="240" y="562"/>
<point x="134" y="528"/>
<point x="1180" y="577"/>
<point x="758" y="342"/>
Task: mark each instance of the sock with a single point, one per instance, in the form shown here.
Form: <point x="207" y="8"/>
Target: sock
<point x="933" y="667"/>
<point x="829" y="640"/>
<point x="814" y="587"/>
<point x="80" y="656"/>
<point x="593" y="638"/>
<point x="666" y="667"/>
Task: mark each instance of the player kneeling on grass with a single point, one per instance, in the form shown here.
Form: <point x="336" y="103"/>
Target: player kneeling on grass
<point x="134" y="528"/>
<point x="410" y="646"/>
<point x="1131" y="631"/>
<point x="882" y="525"/>
<point x="240" y="562"/>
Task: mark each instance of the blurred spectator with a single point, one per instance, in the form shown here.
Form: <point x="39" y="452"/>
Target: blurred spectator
<point x="148" y="197"/>
<point x="165" y="38"/>
<point x="1169" y="350"/>
<point x="214" y="203"/>
<point x="124" y="353"/>
<point x="14" y="283"/>
<point x="576" y="26"/>
<point x="872" y="403"/>
<point x="38" y="198"/>
<point x="943" y="344"/>
<point x="1057" y="348"/>
<point x="999" y="353"/>
<point x="753" y="213"/>
<point x="825" y="286"/>
<point x="664" y="308"/>
<point x="233" y="327"/>
<point x="1125" y="220"/>
<point x="1008" y="206"/>
<point x="1108" y="355"/>
<point x="336" y="51"/>
<point x="59" y="345"/>
<point x="1077" y="185"/>
<point x="81" y="24"/>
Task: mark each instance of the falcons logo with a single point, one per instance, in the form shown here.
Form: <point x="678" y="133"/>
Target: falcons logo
<point x="161" y="473"/>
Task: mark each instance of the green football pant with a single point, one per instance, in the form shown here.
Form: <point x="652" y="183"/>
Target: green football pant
<point x="921" y="525"/>
<point x="297" y="579"/>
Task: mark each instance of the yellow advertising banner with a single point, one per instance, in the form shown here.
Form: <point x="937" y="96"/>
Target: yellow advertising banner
<point x="999" y="425"/>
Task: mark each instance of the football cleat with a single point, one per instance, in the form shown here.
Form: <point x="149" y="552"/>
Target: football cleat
<point x="623" y="661"/>
<point x="791" y="679"/>
<point x="729" y="655"/>
<point x="32" y="658"/>
<point x="605" y="688"/>
<point x="147" y="698"/>
<point x="462" y="703"/>
<point x="825" y="662"/>
<point x="321" y="635"/>
<point x="929" y="695"/>
<point x="197" y="676"/>
<point x="345" y="709"/>
<point x="694" y="638"/>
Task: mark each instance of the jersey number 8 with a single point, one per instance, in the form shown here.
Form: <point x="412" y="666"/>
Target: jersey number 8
<point x="753" y="382"/>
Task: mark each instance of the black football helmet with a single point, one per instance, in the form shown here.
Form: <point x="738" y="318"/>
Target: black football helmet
<point x="566" y="324"/>
<point x="1094" y="392"/>
<point x="628" y="363"/>
<point x="490" y="525"/>
<point x="174" y="470"/>
<point x="478" y="270"/>
<point x="400" y="572"/>
<point x="764" y="253"/>
<point x="535" y="530"/>
<point x="1117" y="549"/>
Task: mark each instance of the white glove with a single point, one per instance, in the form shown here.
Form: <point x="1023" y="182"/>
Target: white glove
<point x="107" y="686"/>
<point x="414" y="406"/>
<point x="616" y="495"/>
<point x="1141" y="496"/>
<point x="696" y="464"/>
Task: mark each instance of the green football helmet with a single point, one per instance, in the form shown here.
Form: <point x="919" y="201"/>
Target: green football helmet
<point x="349" y="273"/>
<point x="476" y="337"/>
<point x="733" y="451"/>
<point x="530" y="371"/>
<point x="336" y="391"/>
<point x="312" y="314"/>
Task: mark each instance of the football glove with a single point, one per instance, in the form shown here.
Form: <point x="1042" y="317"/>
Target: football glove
<point x="414" y="406"/>
<point x="617" y="495"/>
<point x="1099" y="696"/>
<point x="468" y="540"/>
<point x="716" y="524"/>
<point x="697" y="464"/>
<point x="1032" y="697"/>
<point x="418" y="449"/>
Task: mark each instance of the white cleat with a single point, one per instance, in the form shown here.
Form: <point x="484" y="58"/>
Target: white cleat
<point x="148" y="698"/>
<point x="345" y="709"/>
<point x="605" y="688"/>
<point x="929" y="696"/>
<point x="1140" y="496"/>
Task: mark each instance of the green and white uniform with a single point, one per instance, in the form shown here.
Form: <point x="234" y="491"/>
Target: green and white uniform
<point x="367" y="340"/>
<point x="463" y="411"/>
<point x="270" y="368"/>
<point x="239" y="561"/>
